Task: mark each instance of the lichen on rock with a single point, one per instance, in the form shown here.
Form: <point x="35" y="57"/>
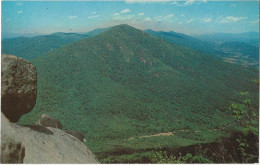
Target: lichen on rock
<point x="19" y="87"/>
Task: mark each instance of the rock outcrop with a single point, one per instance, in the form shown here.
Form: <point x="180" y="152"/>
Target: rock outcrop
<point x="76" y="134"/>
<point x="52" y="146"/>
<point x="34" y="144"/>
<point x="18" y="90"/>
<point x="48" y="121"/>
<point x="12" y="149"/>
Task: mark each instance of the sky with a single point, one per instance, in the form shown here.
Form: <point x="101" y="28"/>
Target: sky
<point x="189" y="17"/>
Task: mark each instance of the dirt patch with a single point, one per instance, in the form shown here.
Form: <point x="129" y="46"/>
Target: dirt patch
<point x="159" y="134"/>
<point x="182" y="130"/>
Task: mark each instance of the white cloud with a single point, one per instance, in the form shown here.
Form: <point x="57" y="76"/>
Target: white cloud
<point x="146" y="1"/>
<point x="206" y="20"/>
<point x="189" y="21"/>
<point x="72" y="17"/>
<point x="188" y="2"/>
<point x="230" y="19"/>
<point x="140" y="14"/>
<point x="158" y="18"/>
<point x="125" y="11"/>
<point x="94" y="12"/>
<point x="182" y="15"/>
<point x="116" y="14"/>
<point x="174" y="3"/>
<point x="163" y="18"/>
<point x="19" y="12"/>
<point x="93" y="16"/>
<point x="169" y="16"/>
<point x="148" y="19"/>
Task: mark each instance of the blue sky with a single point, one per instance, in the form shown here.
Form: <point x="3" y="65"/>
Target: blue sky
<point x="189" y="17"/>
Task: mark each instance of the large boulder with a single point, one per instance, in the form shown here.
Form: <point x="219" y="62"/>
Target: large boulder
<point x="19" y="87"/>
<point x="44" y="146"/>
<point x="48" y="121"/>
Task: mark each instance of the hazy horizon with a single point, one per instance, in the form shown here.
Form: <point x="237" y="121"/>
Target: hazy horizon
<point x="14" y="35"/>
<point x="21" y="18"/>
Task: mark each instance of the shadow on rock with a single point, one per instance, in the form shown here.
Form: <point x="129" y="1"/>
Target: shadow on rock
<point x="39" y="128"/>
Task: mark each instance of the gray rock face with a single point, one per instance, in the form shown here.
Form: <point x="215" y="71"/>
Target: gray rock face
<point x="48" y="121"/>
<point x="52" y="147"/>
<point x="12" y="149"/>
<point x="76" y="134"/>
<point x="18" y="90"/>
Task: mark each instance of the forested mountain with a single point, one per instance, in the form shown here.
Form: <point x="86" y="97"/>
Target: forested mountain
<point x="242" y="53"/>
<point x="185" y="40"/>
<point x="97" y="31"/>
<point x="31" y="47"/>
<point x="124" y="83"/>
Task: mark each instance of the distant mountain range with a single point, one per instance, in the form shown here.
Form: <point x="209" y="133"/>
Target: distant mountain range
<point x="233" y="48"/>
<point x="97" y="31"/>
<point x="185" y="40"/>
<point x="32" y="47"/>
<point x="125" y="83"/>
<point x="247" y="37"/>
<point x="241" y="49"/>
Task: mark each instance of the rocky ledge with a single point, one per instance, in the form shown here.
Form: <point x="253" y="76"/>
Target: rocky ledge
<point x="44" y="142"/>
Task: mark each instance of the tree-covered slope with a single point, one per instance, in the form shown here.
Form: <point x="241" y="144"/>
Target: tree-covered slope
<point x="125" y="83"/>
<point x="31" y="47"/>
<point x="97" y="31"/>
<point x="185" y="40"/>
<point x="241" y="53"/>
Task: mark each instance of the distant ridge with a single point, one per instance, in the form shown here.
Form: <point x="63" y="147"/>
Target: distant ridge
<point x="246" y="55"/>
<point x="184" y="40"/>
<point x="97" y="31"/>
<point x="232" y="49"/>
<point x="32" y="47"/>
<point x="248" y="37"/>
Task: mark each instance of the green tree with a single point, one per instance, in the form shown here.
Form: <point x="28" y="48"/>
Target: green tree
<point x="162" y="157"/>
<point x="247" y="118"/>
<point x="245" y="114"/>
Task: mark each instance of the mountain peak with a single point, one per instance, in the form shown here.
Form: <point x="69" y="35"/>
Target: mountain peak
<point x="124" y="28"/>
